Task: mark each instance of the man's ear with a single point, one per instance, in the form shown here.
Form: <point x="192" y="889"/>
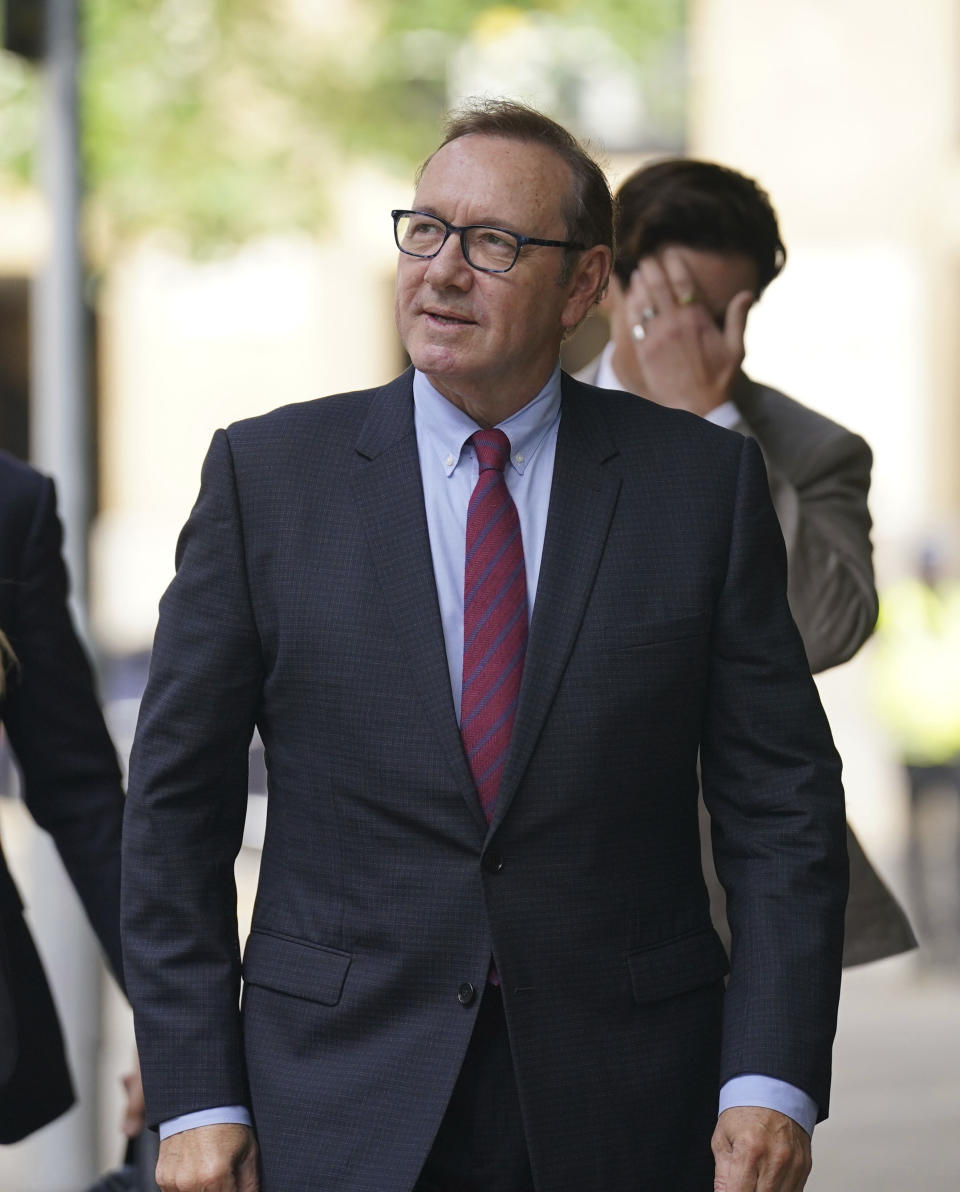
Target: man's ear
<point x="591" y="276"/>
<point x="611" y="299"/>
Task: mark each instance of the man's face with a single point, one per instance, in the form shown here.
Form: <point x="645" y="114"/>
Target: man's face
<point x="478" y="335"/>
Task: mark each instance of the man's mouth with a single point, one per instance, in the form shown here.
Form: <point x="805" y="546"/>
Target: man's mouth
<point x="447" y="319"/>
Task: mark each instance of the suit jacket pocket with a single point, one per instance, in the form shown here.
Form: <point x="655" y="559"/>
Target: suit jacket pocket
<point x="677" y="966"/>
<point x="655" y="633"/>
<point x="295" y="967"/>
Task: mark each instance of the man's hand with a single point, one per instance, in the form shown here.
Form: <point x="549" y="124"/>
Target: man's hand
<point x="209" y="1159"/>
<point x="686" y="360"/>
<point x="759" y="1150"/>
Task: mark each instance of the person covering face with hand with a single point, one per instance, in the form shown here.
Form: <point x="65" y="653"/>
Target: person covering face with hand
<point x="697" y="245"/>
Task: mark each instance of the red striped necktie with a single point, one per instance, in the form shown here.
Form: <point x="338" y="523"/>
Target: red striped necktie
<point x="494" y="618"/>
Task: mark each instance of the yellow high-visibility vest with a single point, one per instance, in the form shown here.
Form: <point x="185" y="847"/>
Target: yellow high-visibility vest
<point x="916" y="670"/>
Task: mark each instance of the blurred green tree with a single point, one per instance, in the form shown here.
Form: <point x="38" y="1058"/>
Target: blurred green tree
<point x="225" y="119"/>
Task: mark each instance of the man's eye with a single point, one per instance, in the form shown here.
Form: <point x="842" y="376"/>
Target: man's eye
<point x="491" y="239"/>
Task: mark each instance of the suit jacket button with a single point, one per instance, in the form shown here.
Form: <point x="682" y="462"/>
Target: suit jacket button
<point x="466" y="993"/>
<point x="492" y="862"/>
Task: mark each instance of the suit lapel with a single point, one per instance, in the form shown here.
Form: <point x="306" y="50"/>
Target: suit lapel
<point x="757" y="422"/>
<point x="389" y="495"/>
<point x="582" y="501"/>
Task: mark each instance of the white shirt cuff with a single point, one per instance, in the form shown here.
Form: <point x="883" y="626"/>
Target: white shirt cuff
<point x="768" y="1093"/>
<point x="220" y="1115"/>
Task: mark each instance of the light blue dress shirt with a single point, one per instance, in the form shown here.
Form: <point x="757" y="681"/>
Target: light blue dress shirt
<point x="448" y="465"/>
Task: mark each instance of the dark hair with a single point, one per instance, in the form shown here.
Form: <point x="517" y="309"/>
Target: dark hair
<point x="697" y="204"/>
<point x="588" y="209"/>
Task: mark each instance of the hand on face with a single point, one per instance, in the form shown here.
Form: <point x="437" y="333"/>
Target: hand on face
<point x="690" y="348"/>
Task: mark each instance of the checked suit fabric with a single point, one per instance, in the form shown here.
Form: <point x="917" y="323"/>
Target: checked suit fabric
<point x="494" y="618"/>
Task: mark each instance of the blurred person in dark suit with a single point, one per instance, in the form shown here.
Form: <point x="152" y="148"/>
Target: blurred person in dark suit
<point x="71" y="785"/>
<point x="486" y="619"/>
<point x="697" y="245"/>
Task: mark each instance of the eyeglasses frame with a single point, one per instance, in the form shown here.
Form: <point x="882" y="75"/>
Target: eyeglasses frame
<point x="461" y="230"/>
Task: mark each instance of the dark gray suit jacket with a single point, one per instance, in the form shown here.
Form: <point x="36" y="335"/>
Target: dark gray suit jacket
<point x="71" y="785"/>
<point x="304" y="602"/>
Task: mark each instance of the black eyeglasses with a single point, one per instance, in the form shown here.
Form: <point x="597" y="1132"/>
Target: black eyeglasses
<point x="490" y="250"/>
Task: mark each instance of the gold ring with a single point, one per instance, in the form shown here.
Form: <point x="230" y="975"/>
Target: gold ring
<point x="688" y="298"/>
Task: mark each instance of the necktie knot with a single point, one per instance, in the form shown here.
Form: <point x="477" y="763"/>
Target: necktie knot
<point x="492" y="448"/>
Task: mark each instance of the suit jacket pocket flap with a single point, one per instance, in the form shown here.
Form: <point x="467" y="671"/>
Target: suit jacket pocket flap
<point x="677" y="966"/>
<point x="627" y="634"/>
<point x="295" y="967"/>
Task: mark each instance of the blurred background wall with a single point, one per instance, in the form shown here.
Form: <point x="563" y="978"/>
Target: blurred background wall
<point x="241" y="159"/>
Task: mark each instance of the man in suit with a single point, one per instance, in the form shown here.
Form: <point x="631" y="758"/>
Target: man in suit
<point x="697" y="244"/>
<point x="486" y="618"/>
<point x="71" y="786"/>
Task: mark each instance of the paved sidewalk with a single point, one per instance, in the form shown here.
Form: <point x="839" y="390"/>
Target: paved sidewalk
<point x="895" y="1120"/>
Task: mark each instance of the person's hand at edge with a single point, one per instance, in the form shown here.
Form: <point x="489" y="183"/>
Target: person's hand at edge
<point x="759" y="1150"/>
<point x="220" y="1158"/>
<point x="134" y="1109"/>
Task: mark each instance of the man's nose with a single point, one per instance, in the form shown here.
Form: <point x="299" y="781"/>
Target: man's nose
<point x="449" y="267"/>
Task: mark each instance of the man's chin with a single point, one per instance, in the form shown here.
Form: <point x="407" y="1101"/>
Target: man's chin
<point x="436" y="361"/>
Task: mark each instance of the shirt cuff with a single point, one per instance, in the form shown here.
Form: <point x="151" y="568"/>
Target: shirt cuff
<point x="766" y="1092"/>
<point x="220" y="1115"/>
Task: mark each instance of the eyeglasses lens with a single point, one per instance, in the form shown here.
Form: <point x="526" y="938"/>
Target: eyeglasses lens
<point x="485" y="248"/>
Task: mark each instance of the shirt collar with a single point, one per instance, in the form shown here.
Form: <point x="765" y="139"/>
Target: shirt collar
<point x="606" y="377"/>
<point x="447" y="428"/>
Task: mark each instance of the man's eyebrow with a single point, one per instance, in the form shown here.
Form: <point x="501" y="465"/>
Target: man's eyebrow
<point x="490" y="221"/>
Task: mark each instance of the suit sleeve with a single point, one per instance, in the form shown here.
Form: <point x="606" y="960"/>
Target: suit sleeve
<point x="771" y="781"/>
<point x="71" y="776"/>
<point x="822" y="496"/>
<point x="185" y="813"/>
